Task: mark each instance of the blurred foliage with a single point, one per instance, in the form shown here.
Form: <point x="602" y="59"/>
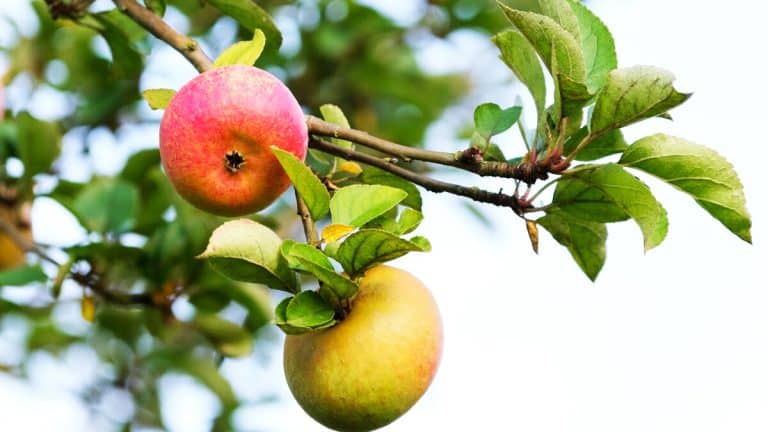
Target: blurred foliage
<point x="136" y="260"/>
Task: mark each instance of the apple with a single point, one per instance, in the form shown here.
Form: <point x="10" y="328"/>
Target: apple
<point x="216" y="134"/>
<point x="369" y="369"/>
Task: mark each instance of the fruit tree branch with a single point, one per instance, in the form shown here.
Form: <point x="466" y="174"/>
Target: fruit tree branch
<point x="310" y="233"/>
<point x="467" y="160"/>
<point x="427" y="183"/>
<point x="155" y="25"/>
<point x="24" y="244"/>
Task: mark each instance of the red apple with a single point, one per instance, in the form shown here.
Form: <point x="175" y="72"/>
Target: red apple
<point x="369" y="369"/>
<point x="216" y="134"/>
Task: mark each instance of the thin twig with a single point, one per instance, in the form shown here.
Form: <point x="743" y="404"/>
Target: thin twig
<point x="155" y="25"/>
<point x="98" y="287"/>
<point x="427" y="183"/>
<point x="310" y="233"/>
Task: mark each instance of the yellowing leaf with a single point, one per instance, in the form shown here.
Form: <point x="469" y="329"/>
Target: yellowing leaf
<point x="350" y="168"/>
<point x="533" y="234"/>
<point x="334" y="232"/>
<point x="244" y="52"/>
<point x="158" y="98"/>
<point x="87" y="308"/>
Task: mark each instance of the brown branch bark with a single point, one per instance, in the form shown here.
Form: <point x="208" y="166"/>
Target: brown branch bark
<point x="466" y="160"/>
<point x="427" y="183"/>
<point x="155" y="25"/>
<point x="310" y="233"/>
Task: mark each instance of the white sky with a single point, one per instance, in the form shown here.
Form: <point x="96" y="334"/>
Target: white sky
<point x="673" y="340"/>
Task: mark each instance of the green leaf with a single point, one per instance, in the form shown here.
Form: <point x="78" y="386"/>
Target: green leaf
<point x="373" y="175"/>
<point x="107" y="206"/>
<point x="243" y="52"/>
<point x="158" y="98"/>
<point x="39" y="143"/>
<point x="22" y="275"/>
<point x="409" y="220"/>
<point x="333" y="114"/>
<point x="698" y="171"/>
<point x="633" y="94"/>
<point x="610" y="143"/>
<point x="600" y="193"/>
<point x="296" y="254"/>
<point x="120" y="32"/>
<point x="585" y="240"/>
<point x="491" y="120"/>
<point x="247" y="251"/>
<point x="305" y="312"/>
<point x="139" y="164"/>
<point x="307" y="259"/>
<point x="596" y="44"/>
<point x="561" y="12"/>
<point x="551" y="41"/>
<point x="311" y="189"/>
<point x="369" y="247"/>
<point x="230" y="339"/>
<point x="251" y="16"/>
<point x="156" y="6"/>
<point x="358" y="204"/>
<point x="494" y="154"/>
<point x="519" y="55"/>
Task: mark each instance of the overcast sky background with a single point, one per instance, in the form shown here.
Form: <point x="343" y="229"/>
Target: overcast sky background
<point x="672" y="340"/>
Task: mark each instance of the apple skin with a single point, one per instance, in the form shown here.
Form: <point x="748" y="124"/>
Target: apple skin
<point x="372" y="367"/>
<point x="230" y="109"/>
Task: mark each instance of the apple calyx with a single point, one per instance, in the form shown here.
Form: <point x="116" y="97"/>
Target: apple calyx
<point x="234" y="161"/>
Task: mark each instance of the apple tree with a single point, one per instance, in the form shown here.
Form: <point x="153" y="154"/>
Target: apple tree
<point x="183" y="239"/>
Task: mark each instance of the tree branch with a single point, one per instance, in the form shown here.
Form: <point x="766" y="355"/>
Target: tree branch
<point x="310" y="233"/>
<point x="467" y="160"/>
<point x="155" y="25"/>
<point x="24" y="244"/>
<point x="427" y="183"/>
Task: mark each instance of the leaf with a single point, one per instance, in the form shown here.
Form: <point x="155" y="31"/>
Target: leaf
<point x="243" y="52"/>
<point x="251" y="16"/>
<point x="139" y="164"/>
<point x="247" y="251"/>
<point x="533" y="234"/>
<point x="39" y="143"/>
<point x="229" y="338"/>
<point x="561" y="13"/>
<point x="349" y="167"/>
<point x="296" y="253"/>
<point x="333" y="114"/>
<point x="22" y="276"/>
<point x="334" y="232"/>
<point x="610" y="143"/>
<point x="310" y="188"/>
<point x="633" y="94"/>
<point x="601" y="193"/>
<point x="87" y="308"/>
<point x="158" y="98"/>
<point x="518" y="54"/>
<point x="357" y="204"/>
<point x="596" y="44"/>
<point x="205" y="371"/>
<point x="551" y="41"/>
<point x="494" y="154"/>
<point x="108" y="206"/>
<point x="491" y="120"/>
<point x="305" y="312"/>
<point x="307" y="259"/>
<point x="698" y="171"/>
<point x="585" y="240"/>
<point x="409" y="220"/>
<point x="156" y="6"/>
<point x="369" y="247"/>
<point x="373" y="175"/>
<point x="120" y="31"/>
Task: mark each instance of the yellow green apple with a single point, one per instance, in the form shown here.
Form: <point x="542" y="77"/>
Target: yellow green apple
<point x="372" y="367"/>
